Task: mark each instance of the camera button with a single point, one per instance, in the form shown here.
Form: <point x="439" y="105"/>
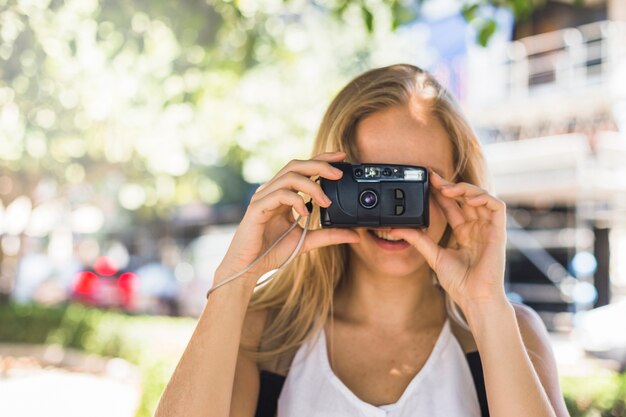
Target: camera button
<point x="399" y="194"/>
<point x="399" y="210"/>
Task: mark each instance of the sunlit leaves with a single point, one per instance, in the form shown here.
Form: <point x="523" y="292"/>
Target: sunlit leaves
<point x="402" y="13"/>
<point x="157" y="94"/>
<point x="523" y="8"/>
<point x="368" y="18"/>
<point x="469" y="11"/>
<point x="486" y="31"/>
<point x="486" y="26"/>
<point x="11" y="25"/>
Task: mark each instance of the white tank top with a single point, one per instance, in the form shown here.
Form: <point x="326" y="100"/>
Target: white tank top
<point x="443" y="387"/>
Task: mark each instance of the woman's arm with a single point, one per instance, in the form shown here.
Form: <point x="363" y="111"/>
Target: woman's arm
<point x="211" y="374"/>
<point x="247" y="381"/>
<point x="472" y="274"/>
<point x="537" y="343"/>
<point x="518" y="364"/>
<point x="202" y="383"/>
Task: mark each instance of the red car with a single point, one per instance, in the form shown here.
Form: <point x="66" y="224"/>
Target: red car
<point x="105" y="285"/>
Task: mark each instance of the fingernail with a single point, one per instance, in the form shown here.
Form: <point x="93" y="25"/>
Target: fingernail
<point x="327" y="200"/>
<point x="337" y="171"/>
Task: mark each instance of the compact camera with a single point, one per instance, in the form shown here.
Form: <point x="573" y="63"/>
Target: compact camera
<point x="376" y="195"/>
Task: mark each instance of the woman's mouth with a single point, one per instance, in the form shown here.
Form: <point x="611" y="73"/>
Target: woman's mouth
<point x="384" y="240"/>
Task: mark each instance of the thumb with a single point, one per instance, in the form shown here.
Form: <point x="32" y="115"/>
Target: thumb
<point x="325" y="237"/>
<point x="421" y="241"/>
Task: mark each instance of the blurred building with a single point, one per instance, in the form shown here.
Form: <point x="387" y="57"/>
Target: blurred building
<point x="549" y="104"/>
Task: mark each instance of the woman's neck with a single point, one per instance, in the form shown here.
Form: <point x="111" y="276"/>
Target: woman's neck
<point x="389" y="303"/>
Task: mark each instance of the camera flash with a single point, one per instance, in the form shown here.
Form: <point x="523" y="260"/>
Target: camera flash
<point x="413" y="175"/>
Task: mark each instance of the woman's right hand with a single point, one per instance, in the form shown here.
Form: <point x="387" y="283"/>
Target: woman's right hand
<point x="269" y="215"/>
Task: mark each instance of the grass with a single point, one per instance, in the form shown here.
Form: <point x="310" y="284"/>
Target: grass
<point x="154" y="344"/>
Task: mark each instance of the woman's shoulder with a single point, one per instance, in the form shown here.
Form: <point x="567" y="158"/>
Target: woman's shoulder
<point x="253" y="325"/>
<point x="533" y="330"/>
<point x="252" y="338"/>
<point x="527" y="317"/>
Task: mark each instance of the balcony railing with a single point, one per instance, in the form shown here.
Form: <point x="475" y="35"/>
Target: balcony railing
<point x="565" y="59"/>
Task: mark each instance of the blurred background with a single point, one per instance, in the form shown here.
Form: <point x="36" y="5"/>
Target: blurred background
<point x="133" y="133"/>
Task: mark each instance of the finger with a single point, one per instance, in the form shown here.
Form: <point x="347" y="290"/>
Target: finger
<point x="265" y="208"/>
<point x="483" y="212"/>
<point x="470" y="212"/>
<point x="480" y="198"/>
<point x="421" y="241"/>
<point x="441" y="183"/>
<point x="485" y="200"/>
<point x="450" y="208"/>
<point x="437" y="180"/>
<point x="461" y="191"/>
<point x="496" y="206"/>
<point x="336" y="156"/>
<point x="296" y="182"/>
<point x="465" y="193"/>
<point x="317" y="166"/>
<point x="326" y="237"/>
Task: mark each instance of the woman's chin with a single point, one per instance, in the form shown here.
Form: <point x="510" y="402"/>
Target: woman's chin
<point x="399" y="270"/>
<point x="390" y="265"/>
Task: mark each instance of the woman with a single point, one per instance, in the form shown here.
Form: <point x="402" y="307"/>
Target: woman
<point x="372" y="321"/>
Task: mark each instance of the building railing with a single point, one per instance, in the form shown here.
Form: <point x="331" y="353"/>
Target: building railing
<point x="565" y="59"/>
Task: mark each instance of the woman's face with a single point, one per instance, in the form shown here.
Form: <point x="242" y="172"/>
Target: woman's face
<point x="407" y="135"/>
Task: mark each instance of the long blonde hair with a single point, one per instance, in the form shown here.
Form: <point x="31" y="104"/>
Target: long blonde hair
<point x="301" y="294"/>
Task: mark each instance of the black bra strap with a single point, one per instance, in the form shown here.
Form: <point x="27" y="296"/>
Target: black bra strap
<point x="476" y="367"/>
<point x="269" y="391"/>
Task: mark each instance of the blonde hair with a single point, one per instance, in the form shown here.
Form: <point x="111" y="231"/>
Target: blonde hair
<point x="301" y="294"/>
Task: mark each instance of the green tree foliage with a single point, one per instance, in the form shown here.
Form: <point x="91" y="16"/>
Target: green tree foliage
<point x="135" y="102"/>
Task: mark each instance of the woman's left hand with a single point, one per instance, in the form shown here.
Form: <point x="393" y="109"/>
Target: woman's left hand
<point x="473" y="271"/>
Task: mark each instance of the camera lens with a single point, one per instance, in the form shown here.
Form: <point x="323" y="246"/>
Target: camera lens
<point x="358" y="172"/>
<point x="368" y="199"/>
<point x="386" y="172"/>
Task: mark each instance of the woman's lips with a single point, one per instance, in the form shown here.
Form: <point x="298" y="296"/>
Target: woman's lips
<point x="387" y="244"/>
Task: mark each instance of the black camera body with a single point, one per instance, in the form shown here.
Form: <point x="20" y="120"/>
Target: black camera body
<point x="376" y="195"/>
